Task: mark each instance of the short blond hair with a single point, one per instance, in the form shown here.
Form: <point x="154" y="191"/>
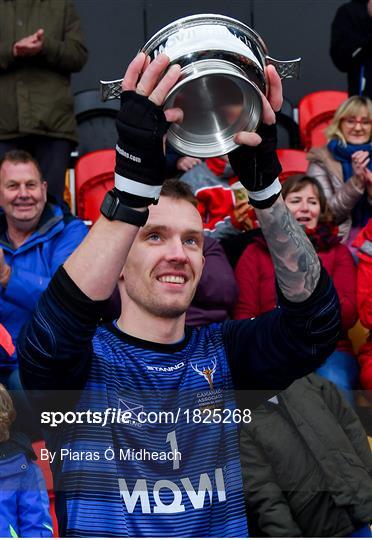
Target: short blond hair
<point x="7" y="413"/>
<point x="350" y="107"/>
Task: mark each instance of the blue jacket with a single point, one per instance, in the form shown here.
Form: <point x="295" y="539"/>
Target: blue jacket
<point x="33" y="264"/>
<point x="24" y="503"/>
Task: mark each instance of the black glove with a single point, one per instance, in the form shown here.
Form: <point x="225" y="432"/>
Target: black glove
<point x="258" y="168"/>
<point x="140" y="160"/>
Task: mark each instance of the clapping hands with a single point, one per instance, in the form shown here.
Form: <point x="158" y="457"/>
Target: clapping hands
<point x="359" y="163"/>
<point x="29" y="45"/>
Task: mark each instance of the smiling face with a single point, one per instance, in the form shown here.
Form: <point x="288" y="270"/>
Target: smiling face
<point x="357" y="128"/>
<point x="304" y="205"/>
<point x="22" y="194"/>
<point x="166" y="260"/>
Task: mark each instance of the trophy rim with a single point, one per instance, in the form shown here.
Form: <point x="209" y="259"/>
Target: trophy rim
<point x="183" y="139"/>
<point x="200" y="19"/>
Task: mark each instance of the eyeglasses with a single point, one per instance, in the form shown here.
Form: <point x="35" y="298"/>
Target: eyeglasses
<point x="351" y="122"/>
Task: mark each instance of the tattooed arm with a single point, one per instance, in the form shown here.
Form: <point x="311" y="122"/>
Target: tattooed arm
<point x="256" y="164"/>
<point x="267" y="353"/>
<point x="296" y="263"/>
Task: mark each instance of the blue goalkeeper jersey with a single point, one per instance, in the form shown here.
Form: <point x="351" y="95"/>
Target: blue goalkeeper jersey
<point x="159" y="474"/>
<point x="171" y="467"/>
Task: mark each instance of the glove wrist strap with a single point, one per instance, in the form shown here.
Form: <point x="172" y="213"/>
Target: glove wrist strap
<point x="265" y="197"/>
<point x="136" y="188"/>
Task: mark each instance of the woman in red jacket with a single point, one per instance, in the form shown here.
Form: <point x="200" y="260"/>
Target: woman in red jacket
<point x="305" y="199"/>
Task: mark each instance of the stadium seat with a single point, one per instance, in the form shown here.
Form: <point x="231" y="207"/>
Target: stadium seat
<point x="96" y="131"/>
<point x="95" y="121"/>
<point x="288" y="132"/>
<point x="292" y="162"/>
<point x="94" y="175"/>
<point x="315" y="112"/>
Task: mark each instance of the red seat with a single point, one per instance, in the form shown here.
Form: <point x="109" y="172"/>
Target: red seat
<point x="94" y="175"/>
<point x="292" y="162"/>
<point x="315" y="112"/>
<point x="47" y="473"/>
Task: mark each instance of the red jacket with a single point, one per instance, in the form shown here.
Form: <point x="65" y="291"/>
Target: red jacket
<point x="364" y="297"/>
<point x="256" y="281"/>
<point x="364" y="291"/>
<point x="365" y="362"/>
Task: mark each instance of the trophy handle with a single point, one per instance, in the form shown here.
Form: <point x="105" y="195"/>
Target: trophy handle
<point x="110" y="89"/>
<point x="287" y="69"/>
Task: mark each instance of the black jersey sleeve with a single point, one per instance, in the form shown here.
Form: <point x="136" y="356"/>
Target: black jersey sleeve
<point x="55" y="347"/>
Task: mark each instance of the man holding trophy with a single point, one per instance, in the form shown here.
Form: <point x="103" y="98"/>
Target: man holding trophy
<point x="149" y="241"/>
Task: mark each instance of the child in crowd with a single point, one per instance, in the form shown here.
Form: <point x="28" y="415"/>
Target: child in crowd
<point x="24" y="503"/>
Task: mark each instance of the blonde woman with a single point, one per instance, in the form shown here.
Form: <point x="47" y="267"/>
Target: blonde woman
<point x="24" y="503"/>
<point x="343" y="167"/>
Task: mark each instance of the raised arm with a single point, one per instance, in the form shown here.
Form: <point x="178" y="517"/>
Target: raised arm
<point x="297" y="266"/>
<point x="140" y="171"/>
<point x="296" y="263"/>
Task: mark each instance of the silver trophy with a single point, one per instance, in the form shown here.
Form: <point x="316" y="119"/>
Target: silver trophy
<point x="222" y="74"/>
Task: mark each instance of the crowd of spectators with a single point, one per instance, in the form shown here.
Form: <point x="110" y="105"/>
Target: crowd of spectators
<point x="333" y="203"/>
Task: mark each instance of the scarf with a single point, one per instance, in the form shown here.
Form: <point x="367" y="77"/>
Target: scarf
<point x="324" y="236"/>
<point x="362" y="211"/>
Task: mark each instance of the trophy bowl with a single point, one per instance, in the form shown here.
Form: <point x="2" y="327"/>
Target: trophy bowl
<point x="222" y="77"/>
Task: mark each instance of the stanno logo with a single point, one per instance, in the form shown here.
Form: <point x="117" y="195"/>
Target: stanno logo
<point x="167" y="368"/>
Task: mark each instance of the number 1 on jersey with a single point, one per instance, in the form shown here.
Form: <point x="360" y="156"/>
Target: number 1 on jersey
<point x="171" y="438"/>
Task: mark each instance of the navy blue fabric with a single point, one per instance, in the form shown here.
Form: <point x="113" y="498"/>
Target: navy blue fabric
<point x="363" y="532"/>
<point x="343" y="153"/>
<point x="97" y="369"/>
